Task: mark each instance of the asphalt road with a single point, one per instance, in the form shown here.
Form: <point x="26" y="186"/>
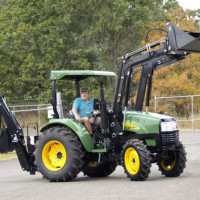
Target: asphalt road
<point x="18" y="185"/>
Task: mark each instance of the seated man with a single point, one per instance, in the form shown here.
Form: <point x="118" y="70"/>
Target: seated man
<point x="82" y="109"/>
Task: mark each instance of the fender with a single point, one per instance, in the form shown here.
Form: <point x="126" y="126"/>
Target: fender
<point x="78" y="129"/>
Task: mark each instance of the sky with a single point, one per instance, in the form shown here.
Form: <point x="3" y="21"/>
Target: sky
<point x="189" y="4"/>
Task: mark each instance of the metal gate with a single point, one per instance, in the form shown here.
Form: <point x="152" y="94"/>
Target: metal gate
<point x="186" y="111"/>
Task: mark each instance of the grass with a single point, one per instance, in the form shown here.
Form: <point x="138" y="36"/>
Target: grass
<point x="8" y="156"/>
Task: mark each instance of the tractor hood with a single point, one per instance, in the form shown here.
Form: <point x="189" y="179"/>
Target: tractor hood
<point x="142" y="122"/>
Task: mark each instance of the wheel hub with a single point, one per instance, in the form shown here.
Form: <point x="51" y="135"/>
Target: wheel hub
<point x="169" y="163"/>
<point x="54" y="155"/>
<point x="59" y="155"/>
<point x="132" y="161"/>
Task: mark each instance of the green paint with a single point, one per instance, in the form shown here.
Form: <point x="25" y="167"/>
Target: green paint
<point x="79" y="74"/>
<point x="143" y="123"/>
<point x="77" y="127"/>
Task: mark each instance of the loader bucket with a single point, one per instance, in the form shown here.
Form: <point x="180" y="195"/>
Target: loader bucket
<point x="183" y="40"/>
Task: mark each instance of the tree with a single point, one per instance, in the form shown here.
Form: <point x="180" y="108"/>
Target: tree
<point x="180" y="78"/>
<point x="39" y="36"/>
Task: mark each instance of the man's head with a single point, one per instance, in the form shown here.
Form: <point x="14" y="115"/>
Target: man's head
<point x="84" y="93"/>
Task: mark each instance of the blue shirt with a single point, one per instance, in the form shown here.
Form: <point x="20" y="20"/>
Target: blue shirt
<point x="83" y="108"/>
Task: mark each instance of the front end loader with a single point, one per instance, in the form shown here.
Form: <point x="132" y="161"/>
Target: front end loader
<point x="132" y="138"/>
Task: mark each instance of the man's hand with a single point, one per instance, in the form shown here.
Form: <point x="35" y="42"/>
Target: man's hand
<point x="78" y="118"/>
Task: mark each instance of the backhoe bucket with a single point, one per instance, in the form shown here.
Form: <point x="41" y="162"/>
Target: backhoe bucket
<point x="183" y="40"/>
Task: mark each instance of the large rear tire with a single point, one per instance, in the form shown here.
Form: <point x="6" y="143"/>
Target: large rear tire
<point x="174" y="165"/>
<point x="59" y="154"/>
<point x="136" y="160"/>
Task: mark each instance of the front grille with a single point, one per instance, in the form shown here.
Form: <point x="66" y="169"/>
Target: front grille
<point x="168" y="138"/>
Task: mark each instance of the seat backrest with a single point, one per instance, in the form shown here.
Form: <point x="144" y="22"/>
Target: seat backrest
<point x="71" y="114"/>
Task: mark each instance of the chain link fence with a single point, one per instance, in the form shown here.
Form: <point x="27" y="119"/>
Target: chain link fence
<point x="31" y="117"/>
<point x="186" y="111"/>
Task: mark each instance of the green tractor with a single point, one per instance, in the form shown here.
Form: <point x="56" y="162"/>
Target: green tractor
<point x="134" y="141"/>
<point x="132" y="138"/>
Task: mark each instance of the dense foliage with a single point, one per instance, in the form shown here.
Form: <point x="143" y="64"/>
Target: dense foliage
<point x="38" y="36"/>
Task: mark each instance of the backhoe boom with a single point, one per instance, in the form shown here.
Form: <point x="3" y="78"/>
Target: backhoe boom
<point x="12" y="138"/>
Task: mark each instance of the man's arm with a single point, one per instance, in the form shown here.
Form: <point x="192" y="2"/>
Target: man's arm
<point x="75" y="110"/>
<point x="77" y="117"/>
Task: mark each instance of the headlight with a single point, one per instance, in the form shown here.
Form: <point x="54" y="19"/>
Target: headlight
<point x="169" y="126"/>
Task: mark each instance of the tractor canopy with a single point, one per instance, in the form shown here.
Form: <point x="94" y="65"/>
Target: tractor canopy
<point x="78" y="74"/>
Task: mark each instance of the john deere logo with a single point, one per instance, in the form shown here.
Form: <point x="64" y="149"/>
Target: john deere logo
<point x="129" y="125"/>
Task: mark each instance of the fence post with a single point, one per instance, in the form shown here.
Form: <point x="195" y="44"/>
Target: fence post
<point x="13" y="110"/>
<point x="38" y="115"/>
<point x="59" y="105"/>
<point x="155" y="103"/>
<point x="192" y="112"/>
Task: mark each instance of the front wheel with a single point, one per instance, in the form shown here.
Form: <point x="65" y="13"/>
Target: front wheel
<point x="59" y="154"/>
<point x="136" y="160"/>
<point x="174" y="164"/>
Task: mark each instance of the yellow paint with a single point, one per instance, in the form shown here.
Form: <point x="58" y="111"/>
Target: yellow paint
<point x="54" y="155"/>
<point x="132" y="161"/>
<point x="129" y="125"/>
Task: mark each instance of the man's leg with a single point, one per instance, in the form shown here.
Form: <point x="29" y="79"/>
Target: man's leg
<point x="87" y="124"/>
<point x="96" y="120"/>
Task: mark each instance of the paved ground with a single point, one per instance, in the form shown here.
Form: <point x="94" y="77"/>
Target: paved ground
<point x="18" y="185"/>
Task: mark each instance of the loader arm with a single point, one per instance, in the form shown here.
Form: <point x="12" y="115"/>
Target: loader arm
<point x="175" y="47"/>
<point x="12" y="135"/>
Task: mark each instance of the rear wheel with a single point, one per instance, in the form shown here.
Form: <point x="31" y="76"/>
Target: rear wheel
<point x="136" y="160"/>
<point x="59" y="154"/>
<point x="175" y="163"/>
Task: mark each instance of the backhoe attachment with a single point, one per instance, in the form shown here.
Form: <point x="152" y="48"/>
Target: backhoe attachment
<point x="12" y="138"/>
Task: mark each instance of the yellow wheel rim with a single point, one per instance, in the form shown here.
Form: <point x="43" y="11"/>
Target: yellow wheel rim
<point x="169" y="166"/>
<point x="54" y="155"/>
<point x="132" y="161"/>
